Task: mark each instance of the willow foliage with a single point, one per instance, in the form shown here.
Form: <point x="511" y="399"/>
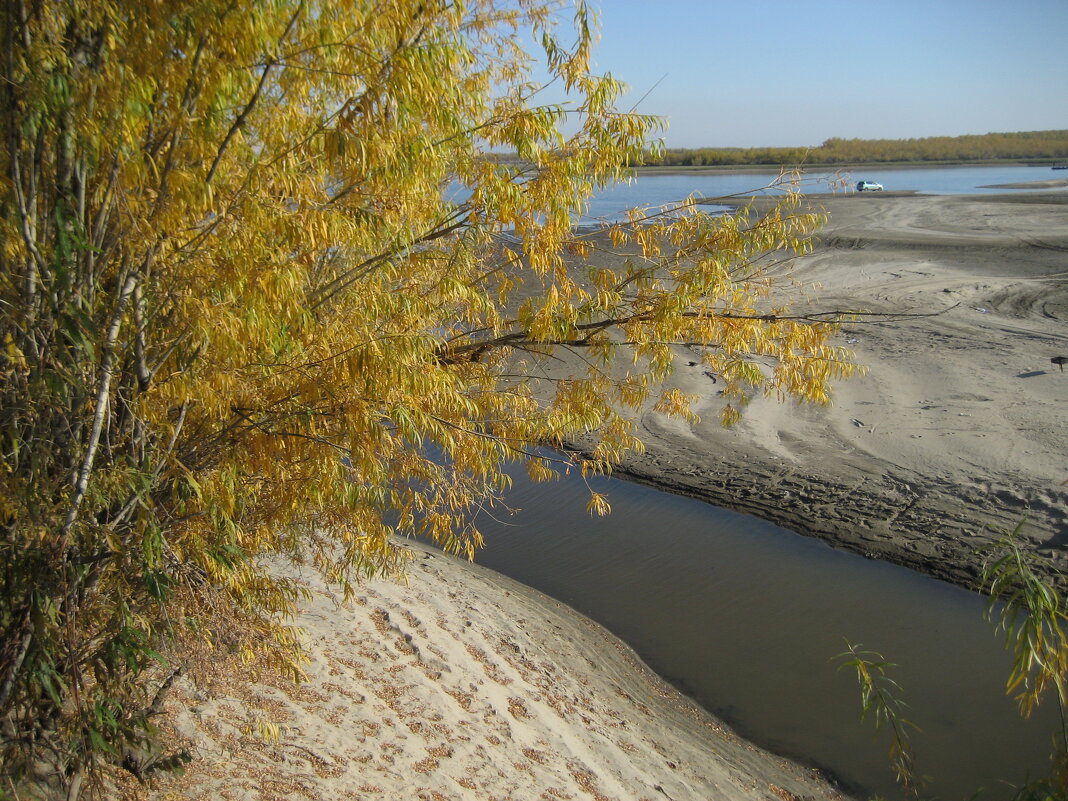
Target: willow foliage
<point x="268" y="290"/>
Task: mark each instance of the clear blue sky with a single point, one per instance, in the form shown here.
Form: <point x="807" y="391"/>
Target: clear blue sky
<point x="754" y="73"/>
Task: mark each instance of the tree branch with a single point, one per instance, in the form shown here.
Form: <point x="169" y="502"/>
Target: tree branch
<point x="107" y="364"/>
<point x="239" y="122"/>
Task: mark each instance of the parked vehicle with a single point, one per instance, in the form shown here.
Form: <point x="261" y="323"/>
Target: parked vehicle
<point x="869" y="186"/>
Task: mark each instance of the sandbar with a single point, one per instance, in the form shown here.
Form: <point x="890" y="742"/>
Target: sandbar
<point x="958" y="429"/>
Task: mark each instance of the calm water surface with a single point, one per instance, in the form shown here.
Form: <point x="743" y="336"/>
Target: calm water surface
<point x="659" y="190"/>
<point x="744" y="616"/>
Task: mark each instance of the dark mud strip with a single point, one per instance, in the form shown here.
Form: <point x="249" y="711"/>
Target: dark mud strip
<point x="937" y="529"/>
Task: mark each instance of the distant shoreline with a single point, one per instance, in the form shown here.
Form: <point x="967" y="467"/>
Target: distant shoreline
<point x="747" y="169"/>
<point x="768" y="201"/>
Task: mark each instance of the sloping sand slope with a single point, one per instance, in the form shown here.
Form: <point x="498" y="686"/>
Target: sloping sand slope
<point x="464" y="685"/>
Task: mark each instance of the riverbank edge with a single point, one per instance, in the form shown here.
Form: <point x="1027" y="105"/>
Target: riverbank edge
<point x="431" y="687"/>
<point x="863" y="527"/>
<point x="934" y="526"/>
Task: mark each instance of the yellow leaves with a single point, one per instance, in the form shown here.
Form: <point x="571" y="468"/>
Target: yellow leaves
<point x="261" y="728"/>
<point x="538" y="470"/>
<point x="675" y="403"/>
<point x="598" y="505"/>
<point x="14" y="357"/>
<point x="729" y="415"/>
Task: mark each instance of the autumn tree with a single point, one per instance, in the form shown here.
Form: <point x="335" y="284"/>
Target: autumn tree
<point x="270" y="289"/>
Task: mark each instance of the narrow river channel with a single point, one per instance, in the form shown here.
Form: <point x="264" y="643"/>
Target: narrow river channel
<point x="746" y="617"/>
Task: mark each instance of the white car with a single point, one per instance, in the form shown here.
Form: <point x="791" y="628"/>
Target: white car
<point x="869" y="186"/>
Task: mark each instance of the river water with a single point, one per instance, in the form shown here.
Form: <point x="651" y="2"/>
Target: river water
<point x="659" y="190"/>
<point x="747" y="617"/>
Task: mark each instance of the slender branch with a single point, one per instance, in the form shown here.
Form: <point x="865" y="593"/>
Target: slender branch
<point x="452" y="354"/>
<point x="16" y="664"/>
<point x="455" y="220"/>
<point x="156" y="707"/>
<point x="239" y="122"/>
<point x="24" y="204"/>
<point x="107" y="364"/>
<point x="293" y="434"/>
<point x="507" y="442"/>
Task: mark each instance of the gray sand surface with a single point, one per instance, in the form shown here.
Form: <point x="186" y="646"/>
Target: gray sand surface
<point x="460" y="684"/>
<point x="959" y="424"/>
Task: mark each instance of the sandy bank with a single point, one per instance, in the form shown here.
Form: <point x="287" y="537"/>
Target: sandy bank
<point x="960" y="422"/>
<point x="463" y="685"/>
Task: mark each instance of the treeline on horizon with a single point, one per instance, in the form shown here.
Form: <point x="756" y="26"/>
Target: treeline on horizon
<point x="1033" y="145"/>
